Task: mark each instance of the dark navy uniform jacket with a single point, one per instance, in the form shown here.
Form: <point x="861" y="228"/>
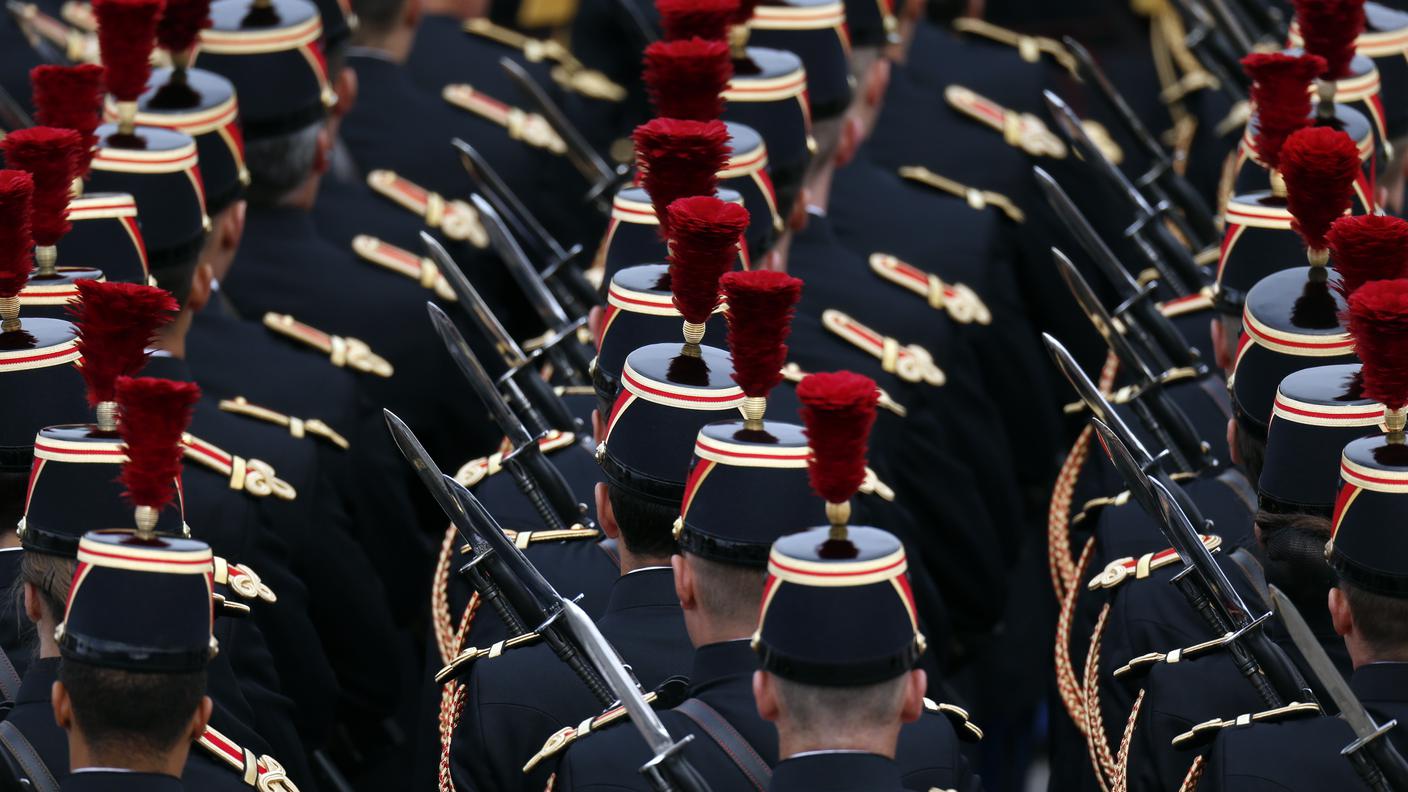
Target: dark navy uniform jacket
<point x="517" y="700"/>
<point x="722" y="677"/>
<point x="1305" y="755"/>
<point x="836" y="771"/>
<point x="118" y="781"/>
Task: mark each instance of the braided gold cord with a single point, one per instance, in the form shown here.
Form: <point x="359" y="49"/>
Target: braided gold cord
<point x="452" y="699"/>
<point x="1066" y="683"/>
<point x="1195" y="774"/>
<point x="1101" y="759"/>
<point x="1058" y="515"/>
<point x="1121" y="783"/>
<point x="441" y="620"/>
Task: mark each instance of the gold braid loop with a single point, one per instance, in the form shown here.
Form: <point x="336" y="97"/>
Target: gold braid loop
<point x="440" y="617"/>
<point x="1058" y="516"/>
<point x="452" y="699"/>
<point x="1195" y="774"/>
<point x="1066" y="683"/>
<point x="1121" y="783"/>
<point x="1101" y="759"/>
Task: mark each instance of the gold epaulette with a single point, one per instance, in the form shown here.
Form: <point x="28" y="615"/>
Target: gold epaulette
<point x="264" y="773"/>
<point x="1122" y="569"/>
<point x="794" y="374"/>
<point x="1207" y="731"/>
<point x="978" y="199"/>
<point x="254" y="476"/>
<point x="1021" y="130"/>
<point x="961" y="303"/>
<point x="1030" y="48"/>
<point x="297" y="427"/>
<point x="243" y="581"/>
<point x="476" y="470"/>
<point x="909" y="362"/>
<point x="460" y="663"/>
<point x="77" y="46"/>
<point x="567" y="735"/>
<point x="522" y="539"/>
<point x="403" y="262"/>
<point x="1192" y="303"/>
<point x="343" y="352"/>
<point x="528" y="127"/>
<point x="1127" y="393"/>
<point x="574" y="390"/>
<point x="568" y="73"/>
<point x="80" y="15"/>
<point x="455" y="219"/>
<point x="963" y="725"/>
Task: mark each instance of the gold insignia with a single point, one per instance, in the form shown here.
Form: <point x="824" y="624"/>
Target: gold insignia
<point x="794" y="374"/>
<point x="530" y="128"/>
<point x="77" y="46"/>
<point x="297" y="427"/>
<point x="254" y="476"/>
<point x="243" y="581"/>
<point x="567" y="735"/>
<point x="522" y="539"/>
<point x="476" y="470"/>
<point x="455" y="667"/>
<point x="1030" y="48"/>
<point x="343" y="352"/>
<point x="967" y="730"/>
<point x="80" y="15"/>
<point x="978" y="199"/>
<point x="455" y="219"/>
<point x="911" y="363"/>
<point x="960" y="302"/>
<point x="1022" y="130"/>
<point x="264" y="773"/>
<point x="1205" y="732"/>
<point x="403" y="262"/>
<point x="568" y="71"/>
<point x="1122" y="569"/>
<point x="1102" y="139"/>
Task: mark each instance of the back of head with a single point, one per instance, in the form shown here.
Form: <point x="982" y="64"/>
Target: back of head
<point x="132" y="713"/>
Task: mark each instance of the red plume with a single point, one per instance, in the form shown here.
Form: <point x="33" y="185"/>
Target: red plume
<point x="152" y="415"/>
<point x="1281" y="96"/>
<point x="838" y="409"/>
<point x="116" y="323"/>
<point x="1319" y="165"/>
<point x="51" y="156"/>
<point x="181" y="22"/>
<point x="16" y="192"/>
<point x="1378" y="320"/>
<point x="70" y="97"/>
<point x="126" y="36"/>
<point x="703" y="246"/>
<point x="1367" y="247"/>
<point x="686" y="79"/>
<point x="706" y="19"/>
<point x="760" y="307"/>
<point x="679" y="159"/>
<point x="1329" y="28"/>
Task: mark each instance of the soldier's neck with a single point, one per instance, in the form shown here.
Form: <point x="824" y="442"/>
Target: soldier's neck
<point x="818" y="190"/>
<point x="793" y="739"/>
<point x="82" y="755"/>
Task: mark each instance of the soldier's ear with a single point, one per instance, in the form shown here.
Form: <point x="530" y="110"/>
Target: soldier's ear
<point x="201" y="718"/>
<point x="765" y="696"/>
<point x="1232" y="450"/>
<point x="915" y="682"/>
<point x="200" y="287"/>
<point x="605" y="515"/>
<point x="33" y="607"/>
<point x="63" y="707"/>
<point x="594" y="317"/>
<point x="684" y="582"/>
<point x="1340" y="615"/>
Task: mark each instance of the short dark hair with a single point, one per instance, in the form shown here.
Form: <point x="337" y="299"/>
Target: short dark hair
<point x="728" y="592"/>
<point x="14" y="486"/>
<point x="376" y="18"/>
<point x="944" y="12"/>
<point x="1382" y="620"/>
<point x="830" y="711"/>
<point x="52" y="576"/>
<point x="1251" y="448"/>
<point x="174" y="269"/>
<point x="647" y="526"/>
<point x="131" y="711"/>
<point x="278" y="164"/>
<point x="1294" y="550"/>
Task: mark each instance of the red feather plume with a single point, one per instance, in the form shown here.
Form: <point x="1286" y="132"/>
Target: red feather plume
<point x="116" y="323"/>
<point x="181" y="22"/>
<point x="50" y="154"/>
<point x="1281" y="96"/>
<point x="1378" y="320"/>
<point x="706" y="19"/>
<point x="686" y="79"/>
<point x="70" y="97"/>
<point x="1329" y="28"/>
<point x="126" y="36"/>
<point x="152" y="415"/>
<point x="838" y="410"/>
<point x="703" y="246"/>
<point x="16" y="193"/>
<point x="679" y="159"/>
<point x="1319" y="165"/>
<point x="760" y="308"/>
<point x="1364" y="248"/>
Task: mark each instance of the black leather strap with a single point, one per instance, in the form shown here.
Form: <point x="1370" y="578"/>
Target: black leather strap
<point x="727" y="738"/>
<point x="14" y="743"/>
<point x="9" y="678"/>
<point x="1251" y="567"/>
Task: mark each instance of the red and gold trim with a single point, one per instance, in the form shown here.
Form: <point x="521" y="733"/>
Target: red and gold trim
<point x="750" y="455"/>
<point x="681" y="396"/>
<point x="344" y="352"/>
<point x="833" y="574"/>
<point x="222" y="119"/>
<point x="403" y="262"/>
<point x="1372" y="479"/>
<point x="111" y="206"/>
<point x="910" y="363"/>
<point x="476" y="470"/>
<point x="781" y="17"/>
<point x="771" y="89"/>
<point x="38" y="293"/>
<point x="960" y="302"/>
<point x="1363" y="182"/>
<point x="182" y="159"/>
<point x="631" y="301"/>
<point x="1129" y="567"/>
<point x="261" y="772"/>
<point x="1021" y="130"/>
<point x="301" y="37"/>
<point x="530" y="128"/>
<point x="43" y="357"/>
<point x="1298" y="344"/>
<point x="1350" y="415"/>
<point x="107" y="555"/>
<point x="254" y="476"/>
<point x="1370" y="43"/>
<point x="1187" y="304"/>
<point x="456" y="219"/>
<point x="754" y="165"/>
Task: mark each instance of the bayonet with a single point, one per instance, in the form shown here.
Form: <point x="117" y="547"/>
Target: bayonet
<point x="1374" y="757"/>
<point x="541" y="483"/>
<point x="562" y="344"/>
<point x="1161" y="178"/>
<point x="1172" y="260"/>
<point x="12" y="115"/>
<point x="543" y="409"/>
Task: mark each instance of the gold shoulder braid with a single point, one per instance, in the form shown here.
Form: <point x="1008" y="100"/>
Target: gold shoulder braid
<point x="568" y="72"/>
<point x="522" y="125"/>
<point x="961" y="303"/>
<point x="1101" y="758"/>
<point x="567" y="735"/>
<point x="1030" y="48"/>
<point x="343" y="352"/>
<point x="457" y="666"/>
<point x="476" y="470"/>
<point x="1205" y="732"/>
<point x="963" y="725"/>
<point x="1122" y="569"/>
<point x="243" y="581"/>
<point x="263" y="773"/>
<point x="909" y="362"/>
<point x="1021" y="130"/>
<point x="297" y="427"/>
<point x="403" y="262"/>
<point x="978" y="199"/>
<point x="253" y="476"/>
<point x="455" y="219"/>
<point x="523" y="539"/>
<point x="77" y="46"/>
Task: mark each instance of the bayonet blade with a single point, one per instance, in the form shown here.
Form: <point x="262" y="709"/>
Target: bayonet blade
<point x="1085" y="234"/>
<point x="609" y="665"/>
<point x="1105" y="324"/>
<point x="479" y="379"/>
<point x="579" y="151"/>
<point x="479" y="310"/>
<point x="429" y="474"/>
<point x="505" y="201"/>
<point x="1331" y="681"/>
<point x="1093" y="399"/>
<point x="1070" y="123"/>
<point x="1090" y="71"/>
<point x="523" y="271"/>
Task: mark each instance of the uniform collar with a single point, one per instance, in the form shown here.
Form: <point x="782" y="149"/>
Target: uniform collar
<point x="109" y="780"/>
<point x="837" y="771"/>
<point x="38" y="681"/>
<point x="719" y="662"/>
<point x="1381" y="682"/>
<point x="643" y="588"/>
<point x="167" y="367"/>
<point x="278" y="223"/>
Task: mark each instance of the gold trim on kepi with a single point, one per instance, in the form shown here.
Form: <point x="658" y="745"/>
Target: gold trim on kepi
<point x="250" y="41"/>
<point x="828" y="574"/>
<point x="102" y="207"/>
<point x="123" y="160"/>
<point x="1374" y="479"/>
<point x="1245" y="210"/>
<point x="88" y="452"/>
<point x="781" y="17"/>
<point x="193" y="122"/>
<point x="182" y="558"/>
<point x="788" y="86"/>
<point x="751" y="454"/>
<point x="1349" y="415"/>
<point x="685" y="397"/>
<point x="626" y="210"/>
<point x="1293" y="343"/>
<point x="40" y="357"/>
<point x="657" y="304"/>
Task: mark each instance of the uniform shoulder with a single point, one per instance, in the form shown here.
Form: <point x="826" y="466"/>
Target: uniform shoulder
<point x="598" y="736"/>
